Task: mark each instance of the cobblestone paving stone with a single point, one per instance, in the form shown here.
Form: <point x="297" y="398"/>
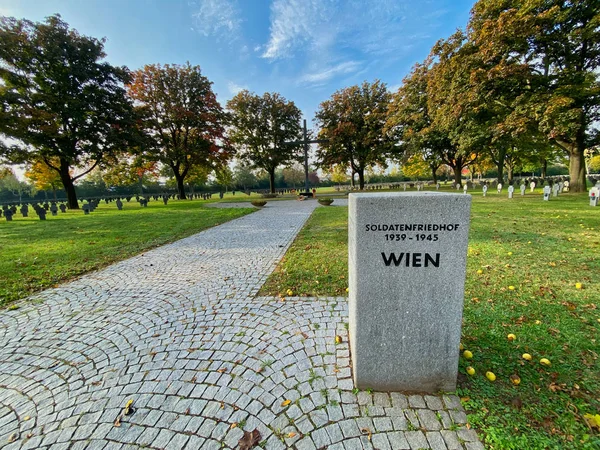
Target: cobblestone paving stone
<point x="179" y="330"/>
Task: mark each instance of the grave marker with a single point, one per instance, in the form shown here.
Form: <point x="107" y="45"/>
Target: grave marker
<point x="407" y="262"/>
<point x="511" y="190"/>
<point x="547" y="193"/>
<point x="594" y="194"/>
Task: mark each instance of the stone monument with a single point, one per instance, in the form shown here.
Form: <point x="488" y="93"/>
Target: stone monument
<point x="407" y="262"/>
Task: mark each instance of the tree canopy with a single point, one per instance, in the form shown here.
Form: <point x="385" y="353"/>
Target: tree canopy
<point x="260" y="127"/>
<point x="353" y="121"/>
<point x="58" y="100"/>
<point x="183" y="122"/>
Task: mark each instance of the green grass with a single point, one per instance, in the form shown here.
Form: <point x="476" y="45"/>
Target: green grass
<point x="554" y="245"/>
<point x="37" y="254"/>
<point x="313" y="265"/>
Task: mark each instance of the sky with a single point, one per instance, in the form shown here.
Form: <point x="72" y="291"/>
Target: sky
<point x="303" y="49"/>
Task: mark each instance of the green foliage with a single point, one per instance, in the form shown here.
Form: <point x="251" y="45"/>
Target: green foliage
<point x="59" y="101"/>
<point x="261" y="126"/>
<point x="541" y="65"/>
<point x="182" y="119"/>
<point x="39" y="254"/>
<point x="352" y="122"/>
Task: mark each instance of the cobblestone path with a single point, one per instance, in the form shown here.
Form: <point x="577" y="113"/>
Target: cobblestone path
<point x="180" y="332"/>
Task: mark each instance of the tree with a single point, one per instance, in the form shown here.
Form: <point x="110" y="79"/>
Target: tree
<point x="243" y="177"/>
<point x="353" y="122"/>
<point x="549" y="53"/>
<point x="224" y="176"/>
<point x="294" y="175"/>
<point x="183" y="121"/>
<point x="10" y="183"/>
<point x="43" y="177"/>
<point x="260" y="128"/>
<point x="339" y="174"/>
<point x="62" y="104"/>
<point x="424" y="126"/>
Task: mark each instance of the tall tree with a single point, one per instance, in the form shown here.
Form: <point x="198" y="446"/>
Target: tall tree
<point x="353" y="122"/>
<point x="61" y="103"/>
<point x="182" y="118"/>
<point x="260" y="127"/>
<point x="420" y="128"/>
<point x="549" y="52"/>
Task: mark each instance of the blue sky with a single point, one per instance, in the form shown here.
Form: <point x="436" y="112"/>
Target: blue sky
<point x="303" y="49"/>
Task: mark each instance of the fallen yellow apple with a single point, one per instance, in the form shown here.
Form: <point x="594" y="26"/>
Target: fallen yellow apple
<point x="470" y="370"/>
<point x="526" y="356"/>
<point x="347" y="289"/>
<point x="290" y="292"/>
<point x="461" y="347"/>
<point x="578" y="285"/>
<point x="480" y="271"/>
<point x="490" y="376"/>
<point x="545" y="362"/>
<point x="515" y="379"/>
<point x="509" y="253"/>
<point x="511" y="337"/>
<point x="511" y="288"/>
<point x="467" y="354"/>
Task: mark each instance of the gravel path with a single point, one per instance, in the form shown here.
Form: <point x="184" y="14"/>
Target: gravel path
<point x="179" y="331"/>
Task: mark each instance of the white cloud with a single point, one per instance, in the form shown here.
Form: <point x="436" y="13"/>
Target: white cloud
<point x="219" y="18"/>
<point x="234" y="88"/>
<point x="327" y="73"/>
<point x="380" y="27"/>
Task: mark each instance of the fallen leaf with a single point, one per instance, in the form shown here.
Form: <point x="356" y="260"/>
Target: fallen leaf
<point x="592" y="420"/>
<point x="222" y="370"/>
<point x="249" y="440"/>
<point x="367" y="432"/>
<point x="286" y="402"/>
<point x="338" y="340"/>
<point x="118" y="421"/>
<point x="291" y="434"/>
<point x="233" y="425"/>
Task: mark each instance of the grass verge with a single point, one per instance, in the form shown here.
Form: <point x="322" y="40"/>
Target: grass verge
<point x="540" y="249"/>
<point x="40" y="254"/>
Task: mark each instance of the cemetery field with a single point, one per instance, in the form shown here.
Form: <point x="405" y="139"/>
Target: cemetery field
<point x="533" y="272"/>
<point x="40" y="254"/>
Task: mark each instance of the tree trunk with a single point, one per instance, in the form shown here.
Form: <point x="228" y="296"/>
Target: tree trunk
<point x="180" y="185"/>
<point x="544" y="168"/>
<point x="577" y="169"/>
<point x="509" y="169"/>
<point x="434" y="174"/>
<point x="361" y="179"/>
<point x="67" y="182"/>
<point x="272" y="180"/>
<point x="457" y="174"/>
<point x="500" y="165"/>
<point x="141" y="185"/>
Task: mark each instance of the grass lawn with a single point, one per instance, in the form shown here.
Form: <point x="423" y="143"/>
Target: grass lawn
<point x="542" y="250"/>
<point x="37" y="254"/>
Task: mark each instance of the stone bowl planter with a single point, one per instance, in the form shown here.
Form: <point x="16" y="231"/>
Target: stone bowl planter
<point x="258" y="203"/>
<point x="325" y="201"/>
